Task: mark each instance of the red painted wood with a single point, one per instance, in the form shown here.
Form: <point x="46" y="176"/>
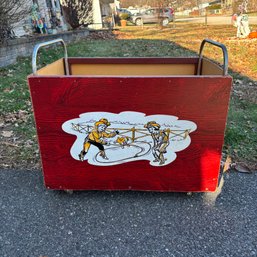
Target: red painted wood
<point x="203" y="100"/>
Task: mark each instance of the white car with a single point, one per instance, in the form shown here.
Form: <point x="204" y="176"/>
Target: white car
<point x="133" y="11"/>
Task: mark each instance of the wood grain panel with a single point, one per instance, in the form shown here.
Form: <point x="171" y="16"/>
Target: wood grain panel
<point x="133" y="66"/>
<point x="132" y="69"/>
<point x="203" y="100"/>
<point x="210" y="68"/>
<point x="55" y="68"/>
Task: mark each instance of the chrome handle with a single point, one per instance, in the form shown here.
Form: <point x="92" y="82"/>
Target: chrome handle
<point x="38" y="46"/>
<point x="225" y="55"/>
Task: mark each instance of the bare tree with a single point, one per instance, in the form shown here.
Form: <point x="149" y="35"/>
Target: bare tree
<point x="78" y="12"/>
<point x="11" y="13"/>
<point x="244" y="5"/>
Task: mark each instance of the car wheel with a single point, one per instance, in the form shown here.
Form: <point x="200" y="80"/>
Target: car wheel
<point x="165" y="22"/>
<point x="138" y="22"/>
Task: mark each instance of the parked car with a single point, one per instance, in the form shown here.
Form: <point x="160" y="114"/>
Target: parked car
<point x="153" y="15"/>
<point x="133" y="11"/>
<point x="124" y="10"/>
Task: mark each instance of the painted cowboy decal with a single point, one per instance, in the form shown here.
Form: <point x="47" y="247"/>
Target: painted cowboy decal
<point x="97" y="138"/>
<point x="160" y="141"/>
<point x="106" y="139"/>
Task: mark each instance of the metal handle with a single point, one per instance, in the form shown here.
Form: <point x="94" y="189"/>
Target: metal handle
<point x="225" y="55"/>
<point x="35" y="51"/>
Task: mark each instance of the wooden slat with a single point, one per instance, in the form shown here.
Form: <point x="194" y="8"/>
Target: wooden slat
<point x="203" y="100"/>
<point x="211" y="68"/>
<point x="132" y="69"/>
<point x="55" y="68"/>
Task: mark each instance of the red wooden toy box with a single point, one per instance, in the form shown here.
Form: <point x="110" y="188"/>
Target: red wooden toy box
<point x="131" y="123"/>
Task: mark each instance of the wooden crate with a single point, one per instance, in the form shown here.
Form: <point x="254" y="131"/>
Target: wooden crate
<point x="145" y="123"/>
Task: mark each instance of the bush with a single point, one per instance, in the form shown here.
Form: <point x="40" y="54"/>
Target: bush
<point x="124" y="16"/>
<point x="214" y="7"/>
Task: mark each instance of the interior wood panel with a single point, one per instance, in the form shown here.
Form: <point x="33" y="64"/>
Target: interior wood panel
<point x="210" y="68"/>
<point x="130" y="69"/>
<point x="133" y="69"/>
<point x="55" y="68"/>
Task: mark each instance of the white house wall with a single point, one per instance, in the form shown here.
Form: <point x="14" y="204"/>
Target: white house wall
<point x="43" y="9"/>
<point x="23" y="27"/>
<point x="101" y="8"/>
<point x="97" y="15"/>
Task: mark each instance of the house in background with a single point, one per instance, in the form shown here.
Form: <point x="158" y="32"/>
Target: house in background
<point x="48" y="10"/>
<point x="51" y="12"/>
<point x="101" y="9"/>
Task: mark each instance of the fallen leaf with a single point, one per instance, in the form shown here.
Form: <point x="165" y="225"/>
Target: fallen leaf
<point x="7" y="133"/>
<point x="9" y="144"/>
<point x="29" y="143"/>
<point x="242" y="168"/>
<point x="227" y="164"/>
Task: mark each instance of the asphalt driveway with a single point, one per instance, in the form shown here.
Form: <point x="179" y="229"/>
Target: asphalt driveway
<point x="38" y="222"/>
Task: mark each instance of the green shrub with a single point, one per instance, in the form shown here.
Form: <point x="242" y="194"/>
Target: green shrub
<point x="124" y="16"/>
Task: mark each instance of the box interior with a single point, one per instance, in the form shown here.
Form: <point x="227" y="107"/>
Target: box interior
<point x="131" y="67"/>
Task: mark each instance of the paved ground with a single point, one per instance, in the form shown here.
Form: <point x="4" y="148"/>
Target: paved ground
<point x="37" y="222"/>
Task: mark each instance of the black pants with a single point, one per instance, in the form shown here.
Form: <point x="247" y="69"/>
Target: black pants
<point x="98" y="145"/>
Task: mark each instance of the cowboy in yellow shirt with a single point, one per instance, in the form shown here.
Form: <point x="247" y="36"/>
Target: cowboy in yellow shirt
<point x="97" y="138"/>
<point x="160" y="141"/>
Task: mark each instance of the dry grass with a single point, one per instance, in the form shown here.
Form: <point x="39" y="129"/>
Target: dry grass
<point x="18" y="146"/>
<point x="242" y="52"/>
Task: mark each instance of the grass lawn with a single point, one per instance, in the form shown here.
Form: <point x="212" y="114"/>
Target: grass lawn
<point x="18" y="147"/>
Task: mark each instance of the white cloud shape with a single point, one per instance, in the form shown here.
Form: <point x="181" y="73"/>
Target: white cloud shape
<point x="129" y="124"/>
